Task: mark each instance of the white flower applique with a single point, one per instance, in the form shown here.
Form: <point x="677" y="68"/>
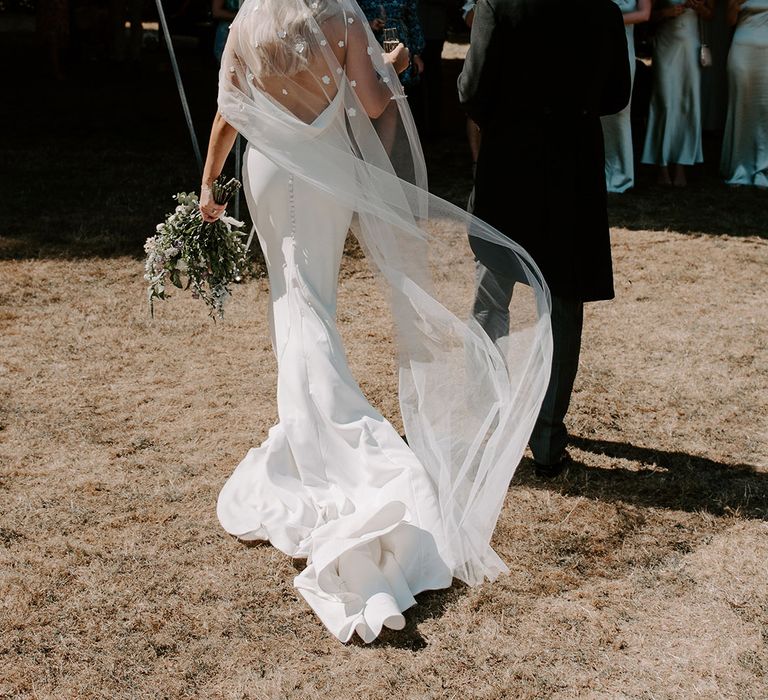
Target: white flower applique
<point x="285" y="92"/>
<point x="370" y="51"/>
<point x="353" y="83"/>
<point x="352" y="112"/>
<point x="341" y="44"/>
<point x="326" y="79"/>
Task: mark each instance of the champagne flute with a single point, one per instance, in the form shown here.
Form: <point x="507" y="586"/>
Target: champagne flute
<point x="391" y="39"/>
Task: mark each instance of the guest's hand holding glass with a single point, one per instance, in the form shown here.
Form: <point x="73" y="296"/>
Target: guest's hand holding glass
<point x="399" y="58"/>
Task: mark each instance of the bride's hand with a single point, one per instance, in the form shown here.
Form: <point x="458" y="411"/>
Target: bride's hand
<point x="398" y="58"/>
<point x="209" y="209"/>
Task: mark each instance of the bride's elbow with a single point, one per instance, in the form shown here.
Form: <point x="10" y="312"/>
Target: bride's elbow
<point x="377" y="112"/>
<point x="376" y="107"/>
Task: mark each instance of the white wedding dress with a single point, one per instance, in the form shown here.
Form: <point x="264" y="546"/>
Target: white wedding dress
<point x="334" y="482"/>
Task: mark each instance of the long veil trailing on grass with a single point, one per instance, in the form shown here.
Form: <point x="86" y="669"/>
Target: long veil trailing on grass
<point x="291" y="82"/>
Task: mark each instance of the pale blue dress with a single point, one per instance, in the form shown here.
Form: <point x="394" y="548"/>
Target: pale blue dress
<point x="674" y="120"/>
<point x="745" y="144"/>
<point x="617" y="128"/>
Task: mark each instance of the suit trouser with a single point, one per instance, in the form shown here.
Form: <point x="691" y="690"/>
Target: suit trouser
<point x="491" y="310"/>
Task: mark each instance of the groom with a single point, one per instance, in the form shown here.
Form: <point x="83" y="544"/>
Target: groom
<point x="537" y="78"/>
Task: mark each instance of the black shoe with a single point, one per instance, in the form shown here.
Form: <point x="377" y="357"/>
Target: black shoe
<point x="552" y="471"/>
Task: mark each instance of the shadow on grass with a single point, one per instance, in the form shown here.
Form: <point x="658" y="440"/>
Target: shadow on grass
<point x="673" y="480"/>
<point x="430" y="604"/>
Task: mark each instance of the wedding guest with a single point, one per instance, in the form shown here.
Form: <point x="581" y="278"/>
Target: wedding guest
<point x="745" y="145"/>
<point x="537" y="119"/>
<point x="714" y="80"/>
<point x="473" y="131"/>
<point x="403" y="16"/>
<point x="224" y="11"/>
<point x="433" y="16"/>
<point x="674" y="122"/>
<point x="617" y="128"/>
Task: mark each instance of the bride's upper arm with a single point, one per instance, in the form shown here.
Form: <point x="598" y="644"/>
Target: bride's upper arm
<point x="373" y="95"/>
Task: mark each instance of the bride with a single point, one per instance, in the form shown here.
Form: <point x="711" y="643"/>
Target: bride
<point x="333" y="148"/>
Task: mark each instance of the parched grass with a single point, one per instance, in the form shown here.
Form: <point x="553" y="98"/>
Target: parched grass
<point x="638" y="574"/>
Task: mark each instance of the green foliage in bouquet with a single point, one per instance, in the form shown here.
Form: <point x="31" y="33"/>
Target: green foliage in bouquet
<point x="188" y="252"/>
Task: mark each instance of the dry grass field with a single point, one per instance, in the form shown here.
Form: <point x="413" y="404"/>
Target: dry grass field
<point x="640" y="573"/>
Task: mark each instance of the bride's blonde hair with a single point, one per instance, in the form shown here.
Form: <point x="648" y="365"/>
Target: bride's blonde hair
<point x="276" y="37"/>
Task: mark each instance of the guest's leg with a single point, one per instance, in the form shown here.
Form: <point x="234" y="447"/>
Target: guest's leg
<point x="550" y="437"/>
<point x="663" y="177"/>
<point x="680" y="179"/>
<point x="493" y="292"/>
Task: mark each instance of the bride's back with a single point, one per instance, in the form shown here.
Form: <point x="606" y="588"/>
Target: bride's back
<point x="286" y="48"/>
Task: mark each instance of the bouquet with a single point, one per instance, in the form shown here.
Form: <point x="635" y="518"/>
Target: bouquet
<point x="209" y="255"/>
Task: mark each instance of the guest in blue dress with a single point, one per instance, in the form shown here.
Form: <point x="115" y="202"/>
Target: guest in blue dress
<point x="617" y="128"/>
<point x="674" y="120"/>
<point x="714" y="80"/>
<point x="745" y="144"/>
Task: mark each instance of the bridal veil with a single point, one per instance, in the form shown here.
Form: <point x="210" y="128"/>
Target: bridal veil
<point x="468" y="404"/>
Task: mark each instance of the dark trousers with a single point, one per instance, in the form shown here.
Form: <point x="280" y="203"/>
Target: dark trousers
<point x="491" y="310"/>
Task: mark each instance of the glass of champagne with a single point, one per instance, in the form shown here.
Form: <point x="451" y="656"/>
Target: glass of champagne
<point x="391" y="39"/>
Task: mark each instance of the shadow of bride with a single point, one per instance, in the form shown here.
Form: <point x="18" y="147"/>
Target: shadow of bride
<point x="660" y="479"/>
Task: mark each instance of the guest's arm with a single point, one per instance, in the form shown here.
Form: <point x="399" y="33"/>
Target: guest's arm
<point x="475" y="83"/>
<point x="640" y="15"/>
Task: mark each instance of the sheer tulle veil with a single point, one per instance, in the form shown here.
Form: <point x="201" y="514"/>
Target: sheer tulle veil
<point x="468" y="404"/>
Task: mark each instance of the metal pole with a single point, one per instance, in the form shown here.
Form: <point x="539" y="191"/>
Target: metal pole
<point x="238" y="168"/>
<point x="179" y="85"/>
<point x="239" y="164"/>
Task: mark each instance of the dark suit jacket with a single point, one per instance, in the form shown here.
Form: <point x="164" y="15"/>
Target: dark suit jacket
<point x="537" y="78"/>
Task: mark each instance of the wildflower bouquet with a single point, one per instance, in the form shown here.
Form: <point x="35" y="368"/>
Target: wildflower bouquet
<point x="209" y="255"/>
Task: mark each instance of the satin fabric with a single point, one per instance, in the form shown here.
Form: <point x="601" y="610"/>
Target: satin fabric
<point x="333" y="480"/>
<point x="617" y="128"/>
<point x="674" y="120"/>
<point x="745" y="143"/>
